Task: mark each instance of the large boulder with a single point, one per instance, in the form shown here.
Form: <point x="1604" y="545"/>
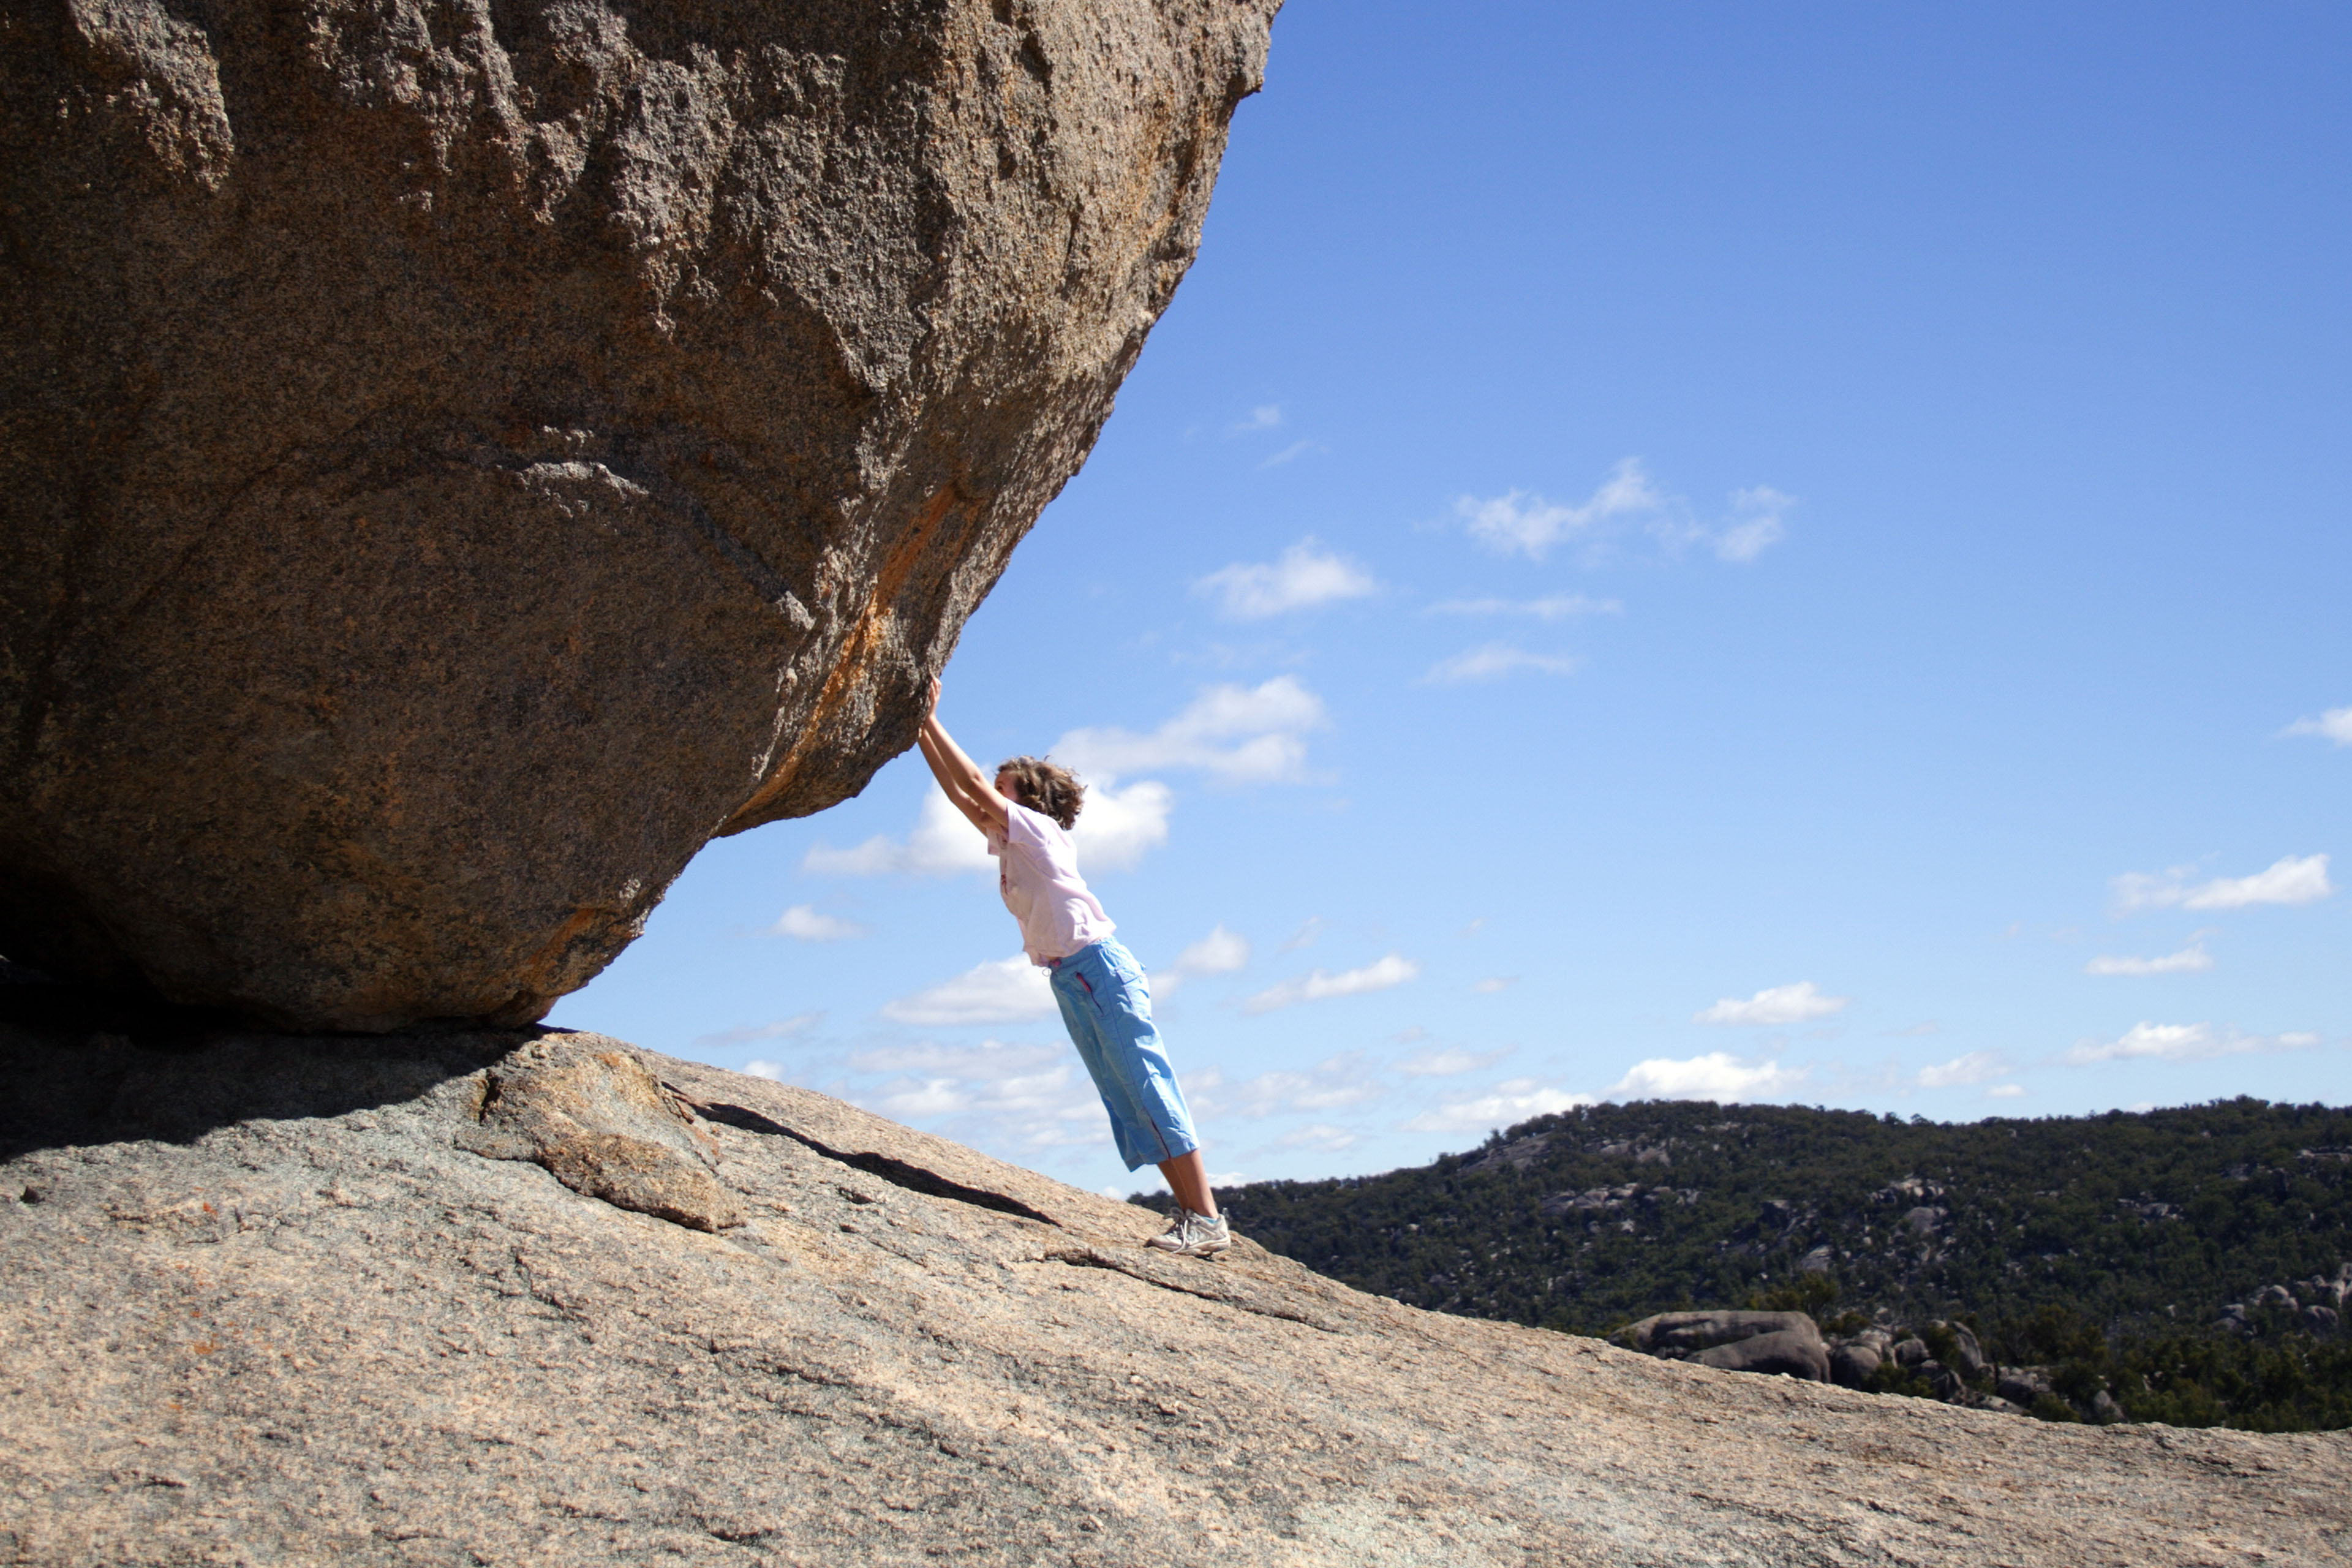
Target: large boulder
<point x="1679" y="1334"/>
<point x="457" y="459"/>
<point x="1790" y="1352"/>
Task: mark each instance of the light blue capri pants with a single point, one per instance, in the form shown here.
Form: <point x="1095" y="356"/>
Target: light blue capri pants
<point x="1108" y="1012"/>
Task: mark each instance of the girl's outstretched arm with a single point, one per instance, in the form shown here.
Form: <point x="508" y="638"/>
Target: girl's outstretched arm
<point x="959" y="777"/>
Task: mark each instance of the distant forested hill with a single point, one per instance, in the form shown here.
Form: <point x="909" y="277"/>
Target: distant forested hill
<point x="2119" y="1227"/>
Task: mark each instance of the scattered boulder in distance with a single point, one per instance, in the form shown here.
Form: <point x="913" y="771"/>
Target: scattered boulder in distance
<point x="1790" y="1352"/>
<point x="1680" y="1334"/>
<point x="1854" y="1365"/>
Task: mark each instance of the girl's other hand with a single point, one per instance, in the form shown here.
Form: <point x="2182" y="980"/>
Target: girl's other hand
<point x="932" y="699"/>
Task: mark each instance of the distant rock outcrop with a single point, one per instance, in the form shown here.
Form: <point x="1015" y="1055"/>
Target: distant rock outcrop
<point x="264" y="1303"/>
<point x="458" y="458"/>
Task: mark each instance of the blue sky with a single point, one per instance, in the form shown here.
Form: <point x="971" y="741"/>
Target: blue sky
<point x="1790" y="553"/>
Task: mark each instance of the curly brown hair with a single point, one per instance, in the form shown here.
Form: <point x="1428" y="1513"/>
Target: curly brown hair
<point x="1044" y="786"/>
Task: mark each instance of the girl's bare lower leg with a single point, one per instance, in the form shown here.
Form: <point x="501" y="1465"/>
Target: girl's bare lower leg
<point x="1188" y="1178"/>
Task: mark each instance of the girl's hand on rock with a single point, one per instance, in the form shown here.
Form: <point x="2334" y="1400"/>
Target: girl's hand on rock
<point x="932" y="699"/>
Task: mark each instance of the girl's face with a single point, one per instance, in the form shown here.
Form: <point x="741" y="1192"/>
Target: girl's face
<point x="1007" y="788"/>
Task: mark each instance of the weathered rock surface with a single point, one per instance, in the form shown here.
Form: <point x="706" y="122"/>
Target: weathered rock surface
<point x="458" y="458"/>
<point x="259" y="1304"/>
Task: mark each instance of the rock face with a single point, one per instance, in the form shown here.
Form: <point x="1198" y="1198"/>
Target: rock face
<point x="260" y="1303"/>
<point x="458" y="458"/>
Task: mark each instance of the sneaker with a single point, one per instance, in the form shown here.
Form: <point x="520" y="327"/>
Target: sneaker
<point x="1193" y="1235"/>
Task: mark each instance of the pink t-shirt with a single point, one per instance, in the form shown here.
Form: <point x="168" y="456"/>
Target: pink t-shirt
<point x="1037" y="872"/>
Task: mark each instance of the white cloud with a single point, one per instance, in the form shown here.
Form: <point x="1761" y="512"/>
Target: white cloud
<point x="1264" y="417"/>
<point x="1025" y="1096"/>
<point x="1393" y="970"/>
<point x="782" y="1029"/>
<point x="1757" y="512"/>
<point x="1775" y="1005"/>
<point x="2291" y="880"/>
<point x="1977" y="1067"/>
<point x="1716" y="1075"/>
<point x="1005" y="991"/>
<point x="802" y="922"/>
<point x="2006" y="1091"/>
<point x="1552" y="607"/>
<point x="1118" y="825"/>
<point x="1333" y="1084"/>
<point x="1114" y="830"/>
<point x="943" y="844"/>
<point x="1522" y="522"/>
<point x="1450" y="1062"/>
<point x="1512" y="1100"/>
<point x="773" y="1072"/>
<point x="2189" y="960"/>
<point x="1297" y="449"/>
<point x="1302" y="576"/>
<point x="1219" y="952"/>
<point x="989" y="1061"/>
<point x="1309" y="930"/>
<point x="1494" y="983"/>
<point x="1236" y="734"/>
<point x="1322" y="1138"/>
<point x="2182" y="1043"/>
<point x="2336" y="725"/>
<point x="1491" y="662"/>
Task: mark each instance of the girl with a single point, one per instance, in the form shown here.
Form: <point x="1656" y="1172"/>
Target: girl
<point x="1025" y="816"/>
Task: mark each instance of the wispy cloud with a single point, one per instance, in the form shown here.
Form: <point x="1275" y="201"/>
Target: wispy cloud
<point x="1717" y="1075"/>
<point x="1320" y="1139"/>
<point x="2291" y="880"/>
<point x="2006" y="1091"/>
<point x="2336" y="725"/>
<point x="1523" y="522"/>
<point x="1494" y="983"/>
<point x="1756" y="524"/>
<point x="1451" y="1062"/>
<point x="1264" y="417"/>
<point x="1296" y="449"/>
<point x="1394" y="969"/>
<point x="984" y="1063"/>
<point x="803" y="922"/>
<point x="1773" y="1005"/>
<point x="1309" y="931"/>
<point x="1551" y="608"/>
<point x="1302" y="576"/>
<point x="1512" y="1100"/>
<point x="2190" y="959"/>
<point x="1029" y="1097"/>
<point x="1977" y="1067"/>
<point x="799" y="1024"/>
<point x="2182" y="1043"/>
<point x="1492" y="662"/>
<point x="941" y="844"/>
<point x="1236" y="734"/>
<point x="1006" y="991"/>
<point x="1335" y="1083"/>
